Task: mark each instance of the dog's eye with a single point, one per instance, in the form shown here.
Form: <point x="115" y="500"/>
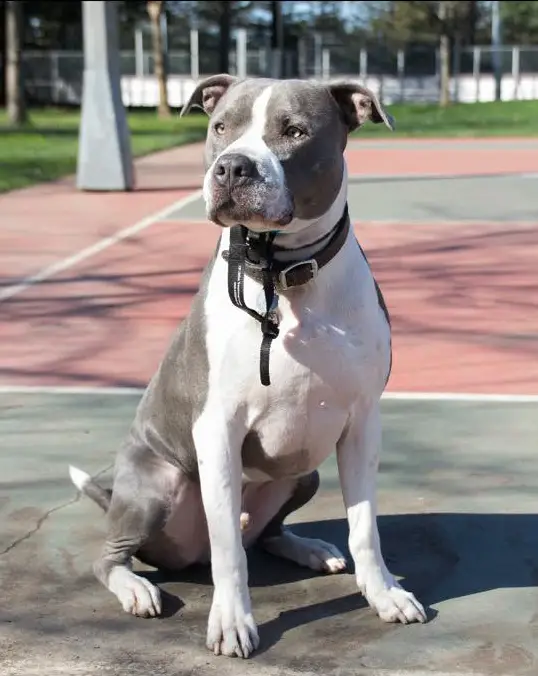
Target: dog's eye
<point x="294" y="132"/>
<point x="219" y="128"/>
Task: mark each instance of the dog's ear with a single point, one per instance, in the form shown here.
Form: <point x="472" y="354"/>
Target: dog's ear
<point x="209" y="92"/>
<point x="358" y="105"/>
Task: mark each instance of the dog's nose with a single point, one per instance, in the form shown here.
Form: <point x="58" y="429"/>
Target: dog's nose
<point x="234" y="169"/>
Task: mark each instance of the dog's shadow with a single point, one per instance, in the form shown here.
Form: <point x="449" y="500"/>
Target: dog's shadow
<point x="437" y="556"/>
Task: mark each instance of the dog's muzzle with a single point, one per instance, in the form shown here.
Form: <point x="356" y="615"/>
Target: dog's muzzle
<point x="233" y="171"/>
<point x="242" y="192"/>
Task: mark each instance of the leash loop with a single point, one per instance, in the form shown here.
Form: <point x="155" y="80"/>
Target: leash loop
<point x="243" y="243"/>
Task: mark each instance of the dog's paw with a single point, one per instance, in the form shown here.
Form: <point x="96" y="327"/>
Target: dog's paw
<point x="322" y="556"/>
<point x="309" y="552"/>
<point x="136" y="595"/>
<point x="231" y="629"/>
<point x="395" y="604"/>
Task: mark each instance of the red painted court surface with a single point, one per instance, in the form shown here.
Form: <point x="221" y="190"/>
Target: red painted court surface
<point x="463" y="296"/>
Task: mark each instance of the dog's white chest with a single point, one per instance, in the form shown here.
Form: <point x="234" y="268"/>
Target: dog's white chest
<point x="326" y="354"/>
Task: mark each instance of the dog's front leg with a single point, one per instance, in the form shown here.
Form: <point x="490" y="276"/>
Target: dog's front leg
<point x="358" y="459"/>
<point x="231" y="628"/>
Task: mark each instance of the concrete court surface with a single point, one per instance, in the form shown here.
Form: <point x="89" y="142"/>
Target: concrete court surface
<point x="459" y="474"/>
<point x="458" y="524"/>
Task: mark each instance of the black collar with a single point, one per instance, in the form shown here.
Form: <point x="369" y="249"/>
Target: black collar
<point x="252" y="254"/>
<point x="287" y="274"/>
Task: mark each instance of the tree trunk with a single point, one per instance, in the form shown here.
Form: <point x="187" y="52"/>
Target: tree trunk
<point x="16" y="108"/>
<point x="225" y="36"/>
<point x="444" y="57"/>
<point x="155" y="10"/>
<point x="472" y="22"/>
<point x="277" y="39"/>
<point x="3" y="51"/>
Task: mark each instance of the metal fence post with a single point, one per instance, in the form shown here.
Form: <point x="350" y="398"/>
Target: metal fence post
<point x="363" y="64"/>
<point x="318" y="46"/>
<point x="195" y="55"/>
<point x="515" y="71"/>
<point x="241" y="51"/>
<point x="301" y="57"/>
<point x="139" y="52"/>
<point x="262" y="61"/>
<point x="147" y="63"/>
<point x="476" y="72"/>
<point x="456" y="69"/>
<point x="326" y="64"/>
<point x="438" y="71"/>
<point x="55" y="77"/>
<point x="400" y="65"/>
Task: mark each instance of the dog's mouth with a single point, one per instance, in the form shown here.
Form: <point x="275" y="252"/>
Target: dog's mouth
<point x="231" y="210"/>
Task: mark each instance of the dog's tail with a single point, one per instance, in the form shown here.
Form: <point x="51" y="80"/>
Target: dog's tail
<point x="91" y="488"/>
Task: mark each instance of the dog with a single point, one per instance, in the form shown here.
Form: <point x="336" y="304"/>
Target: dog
<point x="232" y="427"/>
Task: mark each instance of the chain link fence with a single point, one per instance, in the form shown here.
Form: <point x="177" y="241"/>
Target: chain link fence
<point x="405" y="75"/>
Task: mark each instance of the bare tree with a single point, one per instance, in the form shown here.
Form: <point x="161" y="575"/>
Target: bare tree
<point x="16" y="105"/>
<point x="155" y="11"/>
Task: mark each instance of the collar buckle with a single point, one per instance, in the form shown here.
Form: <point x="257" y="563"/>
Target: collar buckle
<point x="311" y="269"/>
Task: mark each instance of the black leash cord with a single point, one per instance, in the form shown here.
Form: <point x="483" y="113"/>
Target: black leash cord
<point x="236" y="283"/>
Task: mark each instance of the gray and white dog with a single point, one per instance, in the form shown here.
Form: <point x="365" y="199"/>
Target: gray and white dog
<point x="215" y="460"/>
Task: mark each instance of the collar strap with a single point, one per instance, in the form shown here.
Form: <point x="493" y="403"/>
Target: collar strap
<point x="288" y="274"/>
<point x="252" y="254"/>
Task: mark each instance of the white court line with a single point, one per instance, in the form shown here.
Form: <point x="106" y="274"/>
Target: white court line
<point x="463" y="397"/>
<point x="464" y="222"/>
<point x="355" y="179"/>
<point x="394" y="396"/>
<point x="69" y="390"/>
<point x="406" y="221"/>
<point x="96" y="248"/>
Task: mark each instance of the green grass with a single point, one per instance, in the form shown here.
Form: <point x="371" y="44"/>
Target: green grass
<point x="465" y="120"/>
<point x="46" y="148"/>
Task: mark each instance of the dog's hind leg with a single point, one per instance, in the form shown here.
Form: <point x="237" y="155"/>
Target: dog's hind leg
<point x="143" y="484"/>
<point x="309" y="552"/>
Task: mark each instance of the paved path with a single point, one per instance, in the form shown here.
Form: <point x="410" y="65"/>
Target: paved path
<point x="91" y="287"/>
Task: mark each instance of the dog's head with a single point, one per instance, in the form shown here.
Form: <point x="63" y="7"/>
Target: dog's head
<point x="274" y="149"/>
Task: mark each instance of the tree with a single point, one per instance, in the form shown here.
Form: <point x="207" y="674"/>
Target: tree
<point x="52" y="25"/>
<point x="520" y="22"/>
<point x="16" y="105"/>
<point x="155" y="11"/>
<point x="444" y="23"/>
<point x="448" y="18"/>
